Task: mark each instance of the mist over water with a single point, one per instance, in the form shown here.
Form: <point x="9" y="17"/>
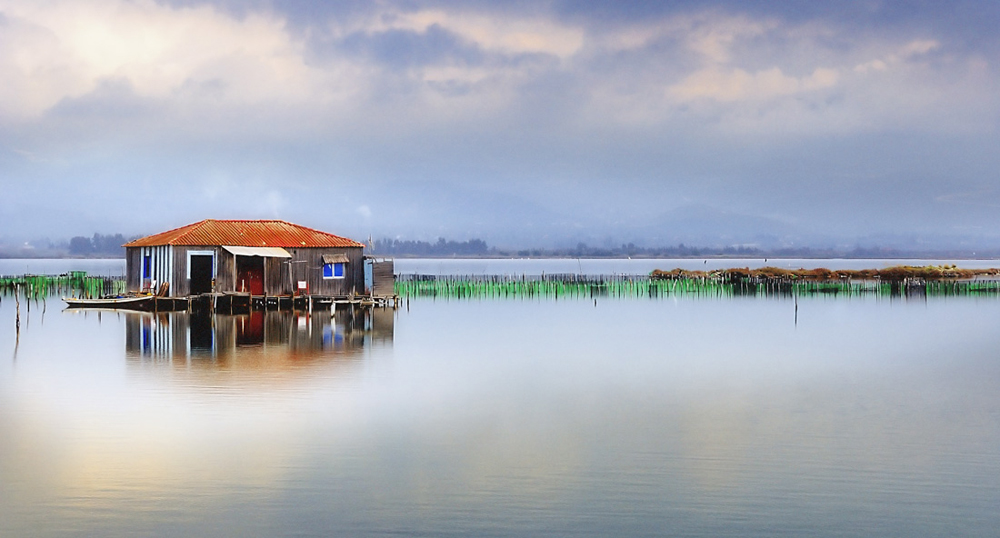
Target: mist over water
<point x="685" y="416"/>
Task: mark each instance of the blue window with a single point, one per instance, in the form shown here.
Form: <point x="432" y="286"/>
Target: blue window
<point x="146" y="266"/>
<point x="333" y="270"/>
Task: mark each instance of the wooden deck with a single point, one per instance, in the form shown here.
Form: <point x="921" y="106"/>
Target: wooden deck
<point x="237" y="302"/>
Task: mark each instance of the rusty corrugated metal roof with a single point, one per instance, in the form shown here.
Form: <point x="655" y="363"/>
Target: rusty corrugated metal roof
<point x="245" y="233"/>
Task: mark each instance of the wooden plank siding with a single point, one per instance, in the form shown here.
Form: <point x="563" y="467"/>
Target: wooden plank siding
<point x="160" y="267"/>
<point x="281" y="275"/>
<point x="133" y="269"/>
<point x="308" y="266"/>
<point x="181" y="286"/>
<point x="277" y="280"/>
<point x="383" y="279"/>
<point x="225" y="271"/>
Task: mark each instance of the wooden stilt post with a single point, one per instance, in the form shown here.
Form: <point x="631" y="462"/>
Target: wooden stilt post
<point x="17" y="318"/>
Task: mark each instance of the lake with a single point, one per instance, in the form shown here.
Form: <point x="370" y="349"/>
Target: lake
<point x="686" y="416"/>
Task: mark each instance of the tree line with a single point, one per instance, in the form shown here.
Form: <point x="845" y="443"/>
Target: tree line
<point x="110" y="246"/>
<point x="98" y="245"/>
<point x="443" y="247"/>
<point x="478" y="247"/>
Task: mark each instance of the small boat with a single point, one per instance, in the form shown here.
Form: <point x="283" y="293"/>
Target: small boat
<point x="137" y="302"/>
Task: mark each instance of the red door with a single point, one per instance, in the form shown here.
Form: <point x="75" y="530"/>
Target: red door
<point x="250" y="274"/>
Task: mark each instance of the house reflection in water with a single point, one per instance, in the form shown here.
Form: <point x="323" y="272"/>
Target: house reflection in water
<point x="280" y="335"/>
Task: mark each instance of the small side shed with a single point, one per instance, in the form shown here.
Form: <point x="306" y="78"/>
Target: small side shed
<point x="380" y="276"/>
<point x="258" y="257"/>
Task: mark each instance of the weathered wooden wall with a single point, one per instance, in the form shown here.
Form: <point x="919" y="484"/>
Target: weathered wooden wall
<point x="308" y="266"/>
<point x="276" y="279"/>
<point x="133" y="269"/>
<point x="181" y="286"/>
<point x="160" y="267"/>
<point x="383" y="279"/>
<point x="225" y="271"/>
<point x="280" y="274"/>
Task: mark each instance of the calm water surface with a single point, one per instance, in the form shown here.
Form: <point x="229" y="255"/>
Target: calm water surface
<point x="101" y="267"/>
<point x="687" y="417"/>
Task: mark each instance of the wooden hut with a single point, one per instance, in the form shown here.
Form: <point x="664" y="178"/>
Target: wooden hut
<point x="256" y="257"/>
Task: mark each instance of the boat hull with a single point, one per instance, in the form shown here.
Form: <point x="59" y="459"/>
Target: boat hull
<point x="130" y="303"/>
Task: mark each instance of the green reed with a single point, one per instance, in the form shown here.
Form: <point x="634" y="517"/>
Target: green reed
<point x="626" y="287"/>
<point x="532" y="288"/>
<point x="75" y="283"/>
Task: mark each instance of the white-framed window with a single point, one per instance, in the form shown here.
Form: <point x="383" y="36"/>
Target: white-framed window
<point x="333" y="270"/>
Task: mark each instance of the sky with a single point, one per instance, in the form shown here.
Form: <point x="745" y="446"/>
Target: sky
<point x="523" y="123"/>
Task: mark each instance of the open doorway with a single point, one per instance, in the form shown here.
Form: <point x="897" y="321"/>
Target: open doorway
<point x="201" y="273"/>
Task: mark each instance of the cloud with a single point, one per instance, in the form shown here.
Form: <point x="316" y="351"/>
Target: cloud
<point x="985" y="197"/>
<point x="510" y="34"/>
<point x="740" y="76"/>
<point x="439" y="68"/>
<point x="739" y="85"/>
<point x="909" y="51"/>
<point x="405" y="48"/>
<point x="30" y="156"/>
<point x="273" y="202"/>
<point x="111" y="99"/>
<point x="55" y="51"/>
<point x="597" y="108"/>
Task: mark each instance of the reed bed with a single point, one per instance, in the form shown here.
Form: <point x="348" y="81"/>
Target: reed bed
<point x="644" y="286"/>
<point x="504" y="287"/>
<point x="76" y="284"/>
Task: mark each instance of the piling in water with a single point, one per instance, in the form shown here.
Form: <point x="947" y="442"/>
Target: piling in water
<point x="76" y="284"/>
<point x="720" y="284"/>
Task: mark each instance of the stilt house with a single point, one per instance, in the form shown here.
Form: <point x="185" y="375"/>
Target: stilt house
<point x="256" y="257"/>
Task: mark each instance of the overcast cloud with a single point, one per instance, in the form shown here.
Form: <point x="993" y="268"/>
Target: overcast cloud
<point x="529" y="123"/>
